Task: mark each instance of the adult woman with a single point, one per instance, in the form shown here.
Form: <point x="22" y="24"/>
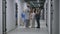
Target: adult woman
<point x="32" y="18"/>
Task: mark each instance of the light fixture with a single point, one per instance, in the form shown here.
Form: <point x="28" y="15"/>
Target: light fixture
<point x="32" y="4"/>
<point x="38" y="1"/>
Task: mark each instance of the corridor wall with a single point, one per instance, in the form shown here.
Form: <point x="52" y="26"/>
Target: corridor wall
<point x="48" y="15"/>
<point x="55" y="24"/>
<point x="45" y="10"/>
<point x="20" y="9"/>
<point x="0" y="16"/>
<point x="59" y="16"/>
<point x="10" y="15"/>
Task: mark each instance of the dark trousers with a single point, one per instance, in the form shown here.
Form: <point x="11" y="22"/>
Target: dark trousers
<point x="38" y="22"/>
<point x="27" y="23"/>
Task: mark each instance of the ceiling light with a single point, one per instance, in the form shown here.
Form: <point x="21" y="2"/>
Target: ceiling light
<point x="37" y="0"/>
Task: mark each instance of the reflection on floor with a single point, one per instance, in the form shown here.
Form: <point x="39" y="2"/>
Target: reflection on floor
<point x="42" y="30"/>
<point x="29" y="31"/>
<point x="42" y="24"/>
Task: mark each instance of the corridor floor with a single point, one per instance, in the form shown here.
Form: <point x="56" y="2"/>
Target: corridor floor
<point x="42" y="30"/>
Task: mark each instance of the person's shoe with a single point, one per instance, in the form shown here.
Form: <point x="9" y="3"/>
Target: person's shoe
<point x="32" y="27"/>
<point x="38" y="27"/>
<point x="27" y="27"/>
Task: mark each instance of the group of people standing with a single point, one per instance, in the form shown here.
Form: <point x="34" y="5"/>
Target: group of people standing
<point x="32" y="15"/>
<point x="35" y="16"/>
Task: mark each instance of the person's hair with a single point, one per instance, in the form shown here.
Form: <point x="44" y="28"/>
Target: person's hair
<point x="27" y="6"/>
<point x="31" y="10"/>
<point x="34" y="10"/>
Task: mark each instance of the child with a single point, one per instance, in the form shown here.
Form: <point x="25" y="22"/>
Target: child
<point x="23" y="17"/>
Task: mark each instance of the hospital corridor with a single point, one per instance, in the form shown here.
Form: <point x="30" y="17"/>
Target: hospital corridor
<point x="29" y="16"/>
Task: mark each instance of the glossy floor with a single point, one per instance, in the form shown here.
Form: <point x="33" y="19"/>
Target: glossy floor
<point x="42" y="30"/>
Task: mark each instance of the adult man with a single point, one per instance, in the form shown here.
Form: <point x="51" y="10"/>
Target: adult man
<point x="38" y="18"/>
<point x="27" y="20"/>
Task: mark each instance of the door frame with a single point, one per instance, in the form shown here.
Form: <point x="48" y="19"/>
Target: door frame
<point x="4" y="17"/>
